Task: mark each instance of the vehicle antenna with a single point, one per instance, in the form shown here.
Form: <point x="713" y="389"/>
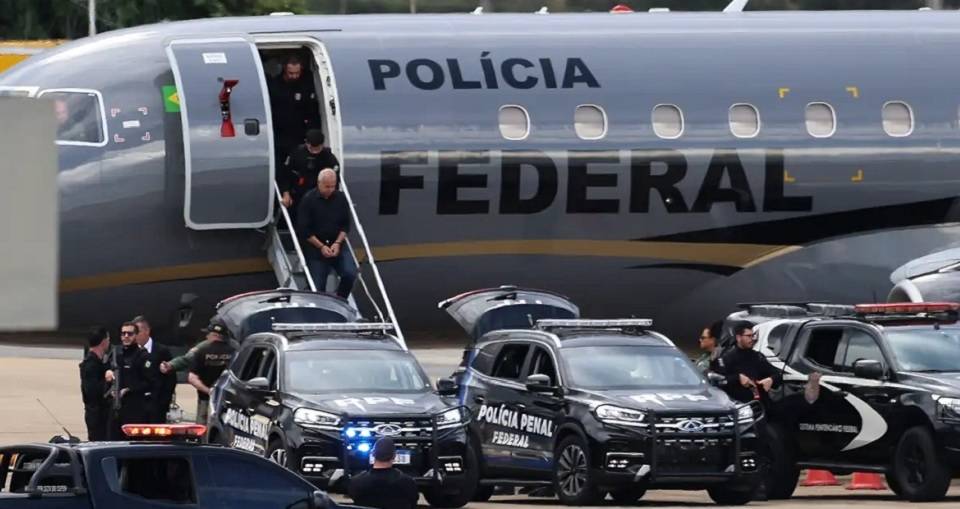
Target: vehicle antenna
<point x="54" y="417"/>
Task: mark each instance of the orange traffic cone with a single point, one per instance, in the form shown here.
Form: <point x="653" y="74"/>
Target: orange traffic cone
<point x="819" y="478"/>
<point x="866" y="481"/>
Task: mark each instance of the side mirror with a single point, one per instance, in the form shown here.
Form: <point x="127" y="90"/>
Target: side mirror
<point x="540" y="383"/>
<point x="319" y="500"/>
<point x="447" y="387"/>
<point x="868" y="368"/>
<point x="259" y="384"/>
<point x="716" y="379"/>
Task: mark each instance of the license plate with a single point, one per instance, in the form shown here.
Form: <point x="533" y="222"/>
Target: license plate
<point x="402" y="458"/>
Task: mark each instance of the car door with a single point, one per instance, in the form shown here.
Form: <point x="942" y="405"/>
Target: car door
<point x="138" y="478"/>
<point x="498" y="415"/>
<point x="816" y="426"/>
<point x="250" y="482"/>
<point x="540" y="412"/>
<point x="240" y="401"/>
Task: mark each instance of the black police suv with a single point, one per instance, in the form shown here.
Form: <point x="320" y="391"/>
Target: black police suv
<point x="163" y="472"/>
<point x="889" y="396"/>
<point x="315" y="398"/>
<point x="587" y="407"/>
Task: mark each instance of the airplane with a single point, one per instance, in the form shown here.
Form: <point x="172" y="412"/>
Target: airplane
<point x="663" y="165"/>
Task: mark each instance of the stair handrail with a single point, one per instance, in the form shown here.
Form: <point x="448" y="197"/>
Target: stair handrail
<point x="363" y="282"/>
<point x="295" y="238"/>
<point x="373" y="264"/>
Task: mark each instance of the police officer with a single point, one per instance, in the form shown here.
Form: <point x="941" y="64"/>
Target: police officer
<point x="136" y="380"/>
<point x="93" y="385"/>
<point x="708" y="343"/>
<point x="749" y="375"/>
<point x="293" y="100"/>
<point x="384" y="487"/>
<point x="301" y="168"/>
<point x="205" y="363"/>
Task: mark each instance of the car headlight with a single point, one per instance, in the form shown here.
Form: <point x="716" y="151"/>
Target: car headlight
<point x="316" y="419"/>
<point x="745" y="414"/>
<point x="451" y="418"/>
<point x="617" y="415"/>
<point x="948" y="408"/>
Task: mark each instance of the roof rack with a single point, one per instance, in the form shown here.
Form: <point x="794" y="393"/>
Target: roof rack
<point x="339" y="327"/>
<point x="576" y="323"/>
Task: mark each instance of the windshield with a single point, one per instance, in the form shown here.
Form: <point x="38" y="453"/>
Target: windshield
<point x="353" y="371"/>
<point x="629" y="367"/>
<point x="926" y="349"/>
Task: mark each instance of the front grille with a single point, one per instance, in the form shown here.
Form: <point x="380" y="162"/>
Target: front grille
<point x="679" y="424"/>
<point x="693" y="456"/>
<point x="400" y="429"/>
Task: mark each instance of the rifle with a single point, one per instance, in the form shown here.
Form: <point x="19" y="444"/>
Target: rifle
<point x="115" y="389"/>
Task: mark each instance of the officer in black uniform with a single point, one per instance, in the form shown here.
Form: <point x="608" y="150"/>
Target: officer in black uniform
<point x="749" y="375"/>
<point x="136" y="381"/>
<point x="383" y="486"/>
<point x="299" y="172"/>
<point x="209" y="360"/>
<point x="294" y="105"/>
<point x="93" y="385"/>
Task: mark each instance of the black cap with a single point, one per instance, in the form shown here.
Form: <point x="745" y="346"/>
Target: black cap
<point x="216" y="325"/>
<point x="315" y="137"/>
<point x="384" y="449"/>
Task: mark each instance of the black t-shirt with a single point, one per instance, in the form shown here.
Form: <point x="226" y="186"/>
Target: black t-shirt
<point x="93" y="386"/>
<point x="295" y="108"/>
<point x="386" y="488"/>
<point x="746" y="362"/>
<point x="210" y="360"/>
<point x="299" y="172"/>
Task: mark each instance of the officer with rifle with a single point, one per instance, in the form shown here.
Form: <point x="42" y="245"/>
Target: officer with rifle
<point x="132" y="381"/>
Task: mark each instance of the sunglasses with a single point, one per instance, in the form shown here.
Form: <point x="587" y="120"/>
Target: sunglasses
<point x="127" y="333"/>
<point x="705" y="337"/>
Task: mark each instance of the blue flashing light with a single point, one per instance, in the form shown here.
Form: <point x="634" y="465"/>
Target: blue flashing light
<point x="365" y="433"/>
<point x="364" y="447"/>
<point x="351" y="432"/>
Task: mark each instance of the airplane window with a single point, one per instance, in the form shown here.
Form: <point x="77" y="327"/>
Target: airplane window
<point x="744" y="121"/>
<point x="590" y="122"/>
<point x="79" y="116"/>
<point x="897" y="119"/>
<point x="821" y="120"/>
<point x="514" y="122"/>
<point x="667" y="121"/>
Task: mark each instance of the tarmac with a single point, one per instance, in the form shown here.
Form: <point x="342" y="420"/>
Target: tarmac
<point x="39" y="375"/>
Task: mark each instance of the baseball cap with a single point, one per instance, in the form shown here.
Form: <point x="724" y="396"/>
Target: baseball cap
<point x="384" y="449"/>
<point x="315" y="137"/>
<point x="216" y="325"/>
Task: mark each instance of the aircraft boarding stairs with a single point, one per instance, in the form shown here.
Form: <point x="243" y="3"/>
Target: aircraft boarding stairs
<point x="289" y="265"/>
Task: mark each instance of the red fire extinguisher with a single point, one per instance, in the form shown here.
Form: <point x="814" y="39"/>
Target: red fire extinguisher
<point x="226" y="122"/>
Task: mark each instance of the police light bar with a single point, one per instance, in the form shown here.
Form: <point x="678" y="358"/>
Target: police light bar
<point x="907" y="308"/>
<point x="164" y="430"/>
<point x="574" y="323"/>
<point x="327" y="327"/>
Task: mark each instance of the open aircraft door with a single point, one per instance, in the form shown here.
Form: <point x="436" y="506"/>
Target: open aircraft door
<point x="227" y="136"/>
<point x="506" y="307"/>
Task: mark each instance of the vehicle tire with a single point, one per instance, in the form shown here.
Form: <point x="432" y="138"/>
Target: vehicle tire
<point x="276" y="452"/>
<point x="573" y="480"/>
<point x="731" y="495"/>
<point x="781" y="471"/>
<point x="918" y="468"/>
<point x="628" y="496"/>
<point x="893" y="484"/>
<point x="438" y="497"/>
<point x="483" y="493"/>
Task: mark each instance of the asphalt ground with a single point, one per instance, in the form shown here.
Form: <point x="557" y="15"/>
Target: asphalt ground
<point x="32" y="375"/>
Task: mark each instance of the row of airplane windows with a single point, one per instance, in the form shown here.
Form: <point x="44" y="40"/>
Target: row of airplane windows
<point x="590" y="121"/>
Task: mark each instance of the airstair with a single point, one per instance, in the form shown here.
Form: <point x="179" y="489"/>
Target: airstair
<point x="290" y="267"/>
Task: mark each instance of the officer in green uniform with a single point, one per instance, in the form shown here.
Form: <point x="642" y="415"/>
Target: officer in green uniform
<point x="204" y="363"/>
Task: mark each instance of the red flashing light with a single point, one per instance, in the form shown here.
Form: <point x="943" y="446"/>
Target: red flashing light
<point x="906" y="308"/>
<point x="621" y="9"/>
<point x="164" y="430"/>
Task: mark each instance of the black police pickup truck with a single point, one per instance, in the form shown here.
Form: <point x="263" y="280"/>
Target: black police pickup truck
<point x="162" y="473"/>
<point x="314" y="397"/>
<point x="586" y="407"/>
<point x="889" y="397"/>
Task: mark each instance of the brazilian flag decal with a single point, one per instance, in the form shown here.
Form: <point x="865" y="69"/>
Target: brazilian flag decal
<point x="171" y="101"/>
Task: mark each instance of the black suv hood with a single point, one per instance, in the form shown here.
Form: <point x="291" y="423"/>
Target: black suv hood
<point x="703" y="399"/>
<point x="360" y="404"/>
<point x="944" y="384"/>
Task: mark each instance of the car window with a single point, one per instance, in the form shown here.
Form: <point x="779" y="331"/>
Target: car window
<point x="483" y="361"/>
<point x="268" y="368"/>
<point x="342" y="371"/>
<point x="542" y="364"/>
<point x="860" y="345"/>
<point x="509" y="362"/>
<point x="628" y="367"/>
<point x="164" y="479"/>
<point x="258" y="483"/>
<point x="822" y="347"/>
<point x="251" y="369"/>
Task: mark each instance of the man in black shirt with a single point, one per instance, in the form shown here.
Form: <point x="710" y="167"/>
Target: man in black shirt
<point x="293" y="102"/>
<point x="209" y="360"/>
<point x="136" y="381"/>
<point x="323" y="221"/>
<point x="384" y="487"/>
<point x="299" y="172"/>
<point x="93" y="385"/>
<point x="749" y="375"/>
<point x="166" y="383"/>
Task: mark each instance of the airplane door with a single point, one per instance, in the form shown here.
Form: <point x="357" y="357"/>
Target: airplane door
<point x="228" y="139"/>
